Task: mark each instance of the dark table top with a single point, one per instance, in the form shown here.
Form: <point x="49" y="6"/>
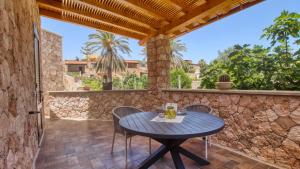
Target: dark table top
<point x="194" y="124"/>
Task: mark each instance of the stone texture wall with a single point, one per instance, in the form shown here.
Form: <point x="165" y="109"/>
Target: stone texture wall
<point x="52" y="64"/>
<point x="97" y="105"/>
<point x="262" y="126"/>
<point x="158" y="60"/>
<point x="18" y="140"/>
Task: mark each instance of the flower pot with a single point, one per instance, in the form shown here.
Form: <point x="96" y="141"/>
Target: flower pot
<point x="224" y="85"/>
<point x="86" y="88"/>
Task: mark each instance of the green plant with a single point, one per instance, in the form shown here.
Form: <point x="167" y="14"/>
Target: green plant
<point x="224" y="78"/>
<point x="131" y="81"/>
<point x="186" y="81"/>
<point x="92" y="83"/>
<point x="256" y="67"/>
<point x="73" y="74"/>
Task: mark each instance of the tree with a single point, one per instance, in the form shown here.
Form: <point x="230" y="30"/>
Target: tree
<point x="110" y="47"/>
<point x="86" y="51"/>
<point x="286" y="28"/>
<point x="177" y="48"/>
<point x="203" y="66"/>
<point x="186" y="81"/>
<point x="210" y="74"/>
<point x="257" y="67"/>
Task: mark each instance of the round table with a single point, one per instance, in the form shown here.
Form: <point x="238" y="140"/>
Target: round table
<point x="171" y="135"/>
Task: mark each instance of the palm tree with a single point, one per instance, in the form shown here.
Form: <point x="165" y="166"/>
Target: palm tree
<point x="110" y="59"/>
<point x="177" y="47"/>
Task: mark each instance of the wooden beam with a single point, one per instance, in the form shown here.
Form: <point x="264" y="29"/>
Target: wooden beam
<point x="146" y="6"/>
<point x="233" y="11"/>
<point x="94" y="25"/>
<point x="151" y="19"/>
<point x="91" y="12"/>
<point x="186" y="7"/>
<point x="192" y="16"/>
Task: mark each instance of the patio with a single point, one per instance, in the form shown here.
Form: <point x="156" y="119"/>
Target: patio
<point x="87" y="144"/>
<point x="262" y="125"/>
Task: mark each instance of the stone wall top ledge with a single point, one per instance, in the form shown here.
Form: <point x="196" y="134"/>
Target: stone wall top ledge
<point x="54" y="34"/>
<point x="242" y="92"/>
<point x="103" y="91"/>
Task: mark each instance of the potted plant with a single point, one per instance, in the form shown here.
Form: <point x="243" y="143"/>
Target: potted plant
<point x="224" y="82"/>
<point x="86" y="88"/>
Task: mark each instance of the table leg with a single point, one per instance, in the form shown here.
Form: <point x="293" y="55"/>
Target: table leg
<point x="192" y="156"/>
<point x="159" y="153"/>
<point x="176" y="158"/>
<point x="172" y="145"/>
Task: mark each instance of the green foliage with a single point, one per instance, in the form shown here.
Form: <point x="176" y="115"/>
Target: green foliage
<point x="86" y="51"/>
<point x="177" y="49"/>
<point x="186" y="81"/>
<point x="285" y="27"/>
<point x="256" y="67"/>
<point x="131" y="81"/>
<point x="92" y="83"/>
<point x="188" y="68"/>
<point x="209" y="75"/>
<point x="111" y="49"/>
<point x="73" y="74"/>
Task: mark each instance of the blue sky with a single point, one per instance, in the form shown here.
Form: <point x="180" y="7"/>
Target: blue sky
<point x="243" y="27"/>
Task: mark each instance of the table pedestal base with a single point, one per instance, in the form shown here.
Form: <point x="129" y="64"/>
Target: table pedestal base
<point x="172" y="145"/>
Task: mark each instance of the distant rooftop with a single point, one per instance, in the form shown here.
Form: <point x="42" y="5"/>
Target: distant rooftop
<point x="76" y="62"/>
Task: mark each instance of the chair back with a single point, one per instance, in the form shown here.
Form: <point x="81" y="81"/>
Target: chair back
<point x="199" y="108"/>
<point x="120" y="112"/>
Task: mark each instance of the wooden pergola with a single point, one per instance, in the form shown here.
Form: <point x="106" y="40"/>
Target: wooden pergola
<point x="142" y="19"/>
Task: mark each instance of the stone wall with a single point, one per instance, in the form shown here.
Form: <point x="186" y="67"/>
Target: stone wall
<point x="97" y="105"/>
<point x="52" y="64"/>
<point x="18" y="139"/>
<point x="263" y="125"/>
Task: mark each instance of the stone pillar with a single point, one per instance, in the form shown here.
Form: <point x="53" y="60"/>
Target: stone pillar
<point x="158" y="60"/>
<point x="52" y="61"/>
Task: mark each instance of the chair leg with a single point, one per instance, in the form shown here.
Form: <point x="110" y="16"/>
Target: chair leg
<point x="150" y="146"/>
<point x="206" y="139"/>
<point x="113" y="142"/>
<point x="125" y="150"/>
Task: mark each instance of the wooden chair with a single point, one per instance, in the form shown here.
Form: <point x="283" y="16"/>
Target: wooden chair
<point x="118" y="113"/>
<point x="203" y="109"/>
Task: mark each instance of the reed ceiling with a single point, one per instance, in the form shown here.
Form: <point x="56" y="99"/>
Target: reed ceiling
<point x="142" y="19"/>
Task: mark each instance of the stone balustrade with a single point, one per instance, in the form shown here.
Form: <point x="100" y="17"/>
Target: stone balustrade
<point x="261" y="124"/>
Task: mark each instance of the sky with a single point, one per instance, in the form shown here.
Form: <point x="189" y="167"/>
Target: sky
<point x="244" y="27"/>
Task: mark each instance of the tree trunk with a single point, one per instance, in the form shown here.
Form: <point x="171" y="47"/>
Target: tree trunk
<point x="109" y="73"/>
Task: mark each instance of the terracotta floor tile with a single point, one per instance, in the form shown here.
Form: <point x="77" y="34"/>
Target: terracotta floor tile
<point x="86" y="145"/>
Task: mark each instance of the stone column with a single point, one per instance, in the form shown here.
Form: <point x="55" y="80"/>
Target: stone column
<point x="158" y="60"/>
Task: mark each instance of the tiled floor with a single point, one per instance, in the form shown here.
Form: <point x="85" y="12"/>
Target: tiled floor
<point x="86" y="145"/>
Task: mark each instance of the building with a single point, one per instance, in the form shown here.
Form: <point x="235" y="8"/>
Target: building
<point x="75" y="66"/>
<point x="193" y="69"/>
<point x="89" y="68"/>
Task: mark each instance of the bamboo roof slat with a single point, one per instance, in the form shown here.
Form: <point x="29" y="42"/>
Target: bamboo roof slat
<point x="142" y="19"/>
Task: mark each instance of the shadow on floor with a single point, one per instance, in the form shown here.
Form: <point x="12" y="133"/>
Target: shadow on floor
<point x="70" y="144"/>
